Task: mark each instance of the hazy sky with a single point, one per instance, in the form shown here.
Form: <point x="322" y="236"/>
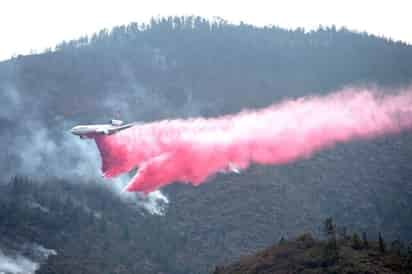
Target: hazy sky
<point x="35" y="25"/>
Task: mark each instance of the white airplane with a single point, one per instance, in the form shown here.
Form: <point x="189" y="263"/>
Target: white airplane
<point x="88" y="131"/>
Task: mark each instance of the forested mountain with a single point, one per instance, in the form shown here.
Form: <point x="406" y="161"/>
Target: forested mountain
<point x="186" y="67"/>
<point x="338" y="253"/>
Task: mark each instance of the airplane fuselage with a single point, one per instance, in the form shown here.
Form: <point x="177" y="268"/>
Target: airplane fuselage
<point x="90" y="131"/>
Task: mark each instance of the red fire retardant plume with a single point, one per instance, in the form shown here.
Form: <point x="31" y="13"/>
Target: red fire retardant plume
<point x="189" y="151"/>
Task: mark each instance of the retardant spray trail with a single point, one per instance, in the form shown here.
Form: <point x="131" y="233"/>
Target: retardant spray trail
<point x="190" y="151"/>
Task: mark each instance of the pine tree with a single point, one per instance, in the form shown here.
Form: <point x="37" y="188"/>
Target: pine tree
<point x="365" y="241"/>
<point x="329" y="228"/>
<point x="343" y="233"/>
<point x="331" y="249"/>
<point x="409" y="257"/>
<point x="396" y="247"/>
<point x="382" y="245"/>
<point x="356" y="243"/>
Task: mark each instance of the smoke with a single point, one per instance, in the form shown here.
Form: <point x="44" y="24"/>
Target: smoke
<point x="35" y="129"/>
<point x="37" y="148"/>
<point x="13" y="261"/>
<point x="191" y="151"/>
<point x="18" y="264"/>
<point x="10" y="102"/>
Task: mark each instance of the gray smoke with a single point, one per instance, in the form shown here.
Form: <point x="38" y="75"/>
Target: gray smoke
<point x="13" y="261"/>
<point x="36" y="150"/>
<point x="17" y="264"/>
<point x="38" y="144"/>
<point x="10" y="102"/>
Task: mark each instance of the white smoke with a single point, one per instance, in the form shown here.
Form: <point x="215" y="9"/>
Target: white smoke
<point x="14" y="262"/>
<point x="41" y="152"/>
<point x="16" y="265"/>
<point x="10" y="101"/>
<point x="35" y="149"/>
<point x="154" y="203"/>
<point x="72" y="158"/>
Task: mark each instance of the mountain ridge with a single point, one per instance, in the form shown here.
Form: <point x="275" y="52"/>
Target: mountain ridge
<point x="197" y="69"/>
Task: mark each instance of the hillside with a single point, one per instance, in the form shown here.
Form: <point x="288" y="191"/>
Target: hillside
<point x="186" y="67"/>
<point x="88" y="229"/>
<point x="308" y="255"/>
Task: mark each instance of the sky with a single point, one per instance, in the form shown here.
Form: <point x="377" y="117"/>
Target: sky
<point x="31" y="26"/>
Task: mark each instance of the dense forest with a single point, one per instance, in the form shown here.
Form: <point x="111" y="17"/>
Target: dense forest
<point x="52" y="193"/>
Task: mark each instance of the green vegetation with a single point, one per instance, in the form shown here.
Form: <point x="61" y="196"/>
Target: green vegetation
<point x="307" y="255"/>
<point x="227" y="67"/>
<point x="331" y="251"/>
<point x="382" y="245"/>
<point x="92" y="230"/>
<point x="189" y="66"/>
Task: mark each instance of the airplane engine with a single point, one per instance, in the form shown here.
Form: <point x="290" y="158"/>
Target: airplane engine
<point x="116" y="122"/>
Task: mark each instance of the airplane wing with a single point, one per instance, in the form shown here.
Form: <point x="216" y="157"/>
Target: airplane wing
<point x="105" y="131"/>
<point x="113" y="130"/>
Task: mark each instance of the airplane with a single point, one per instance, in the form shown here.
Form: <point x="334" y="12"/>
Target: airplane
<point x="88" y="131"/>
